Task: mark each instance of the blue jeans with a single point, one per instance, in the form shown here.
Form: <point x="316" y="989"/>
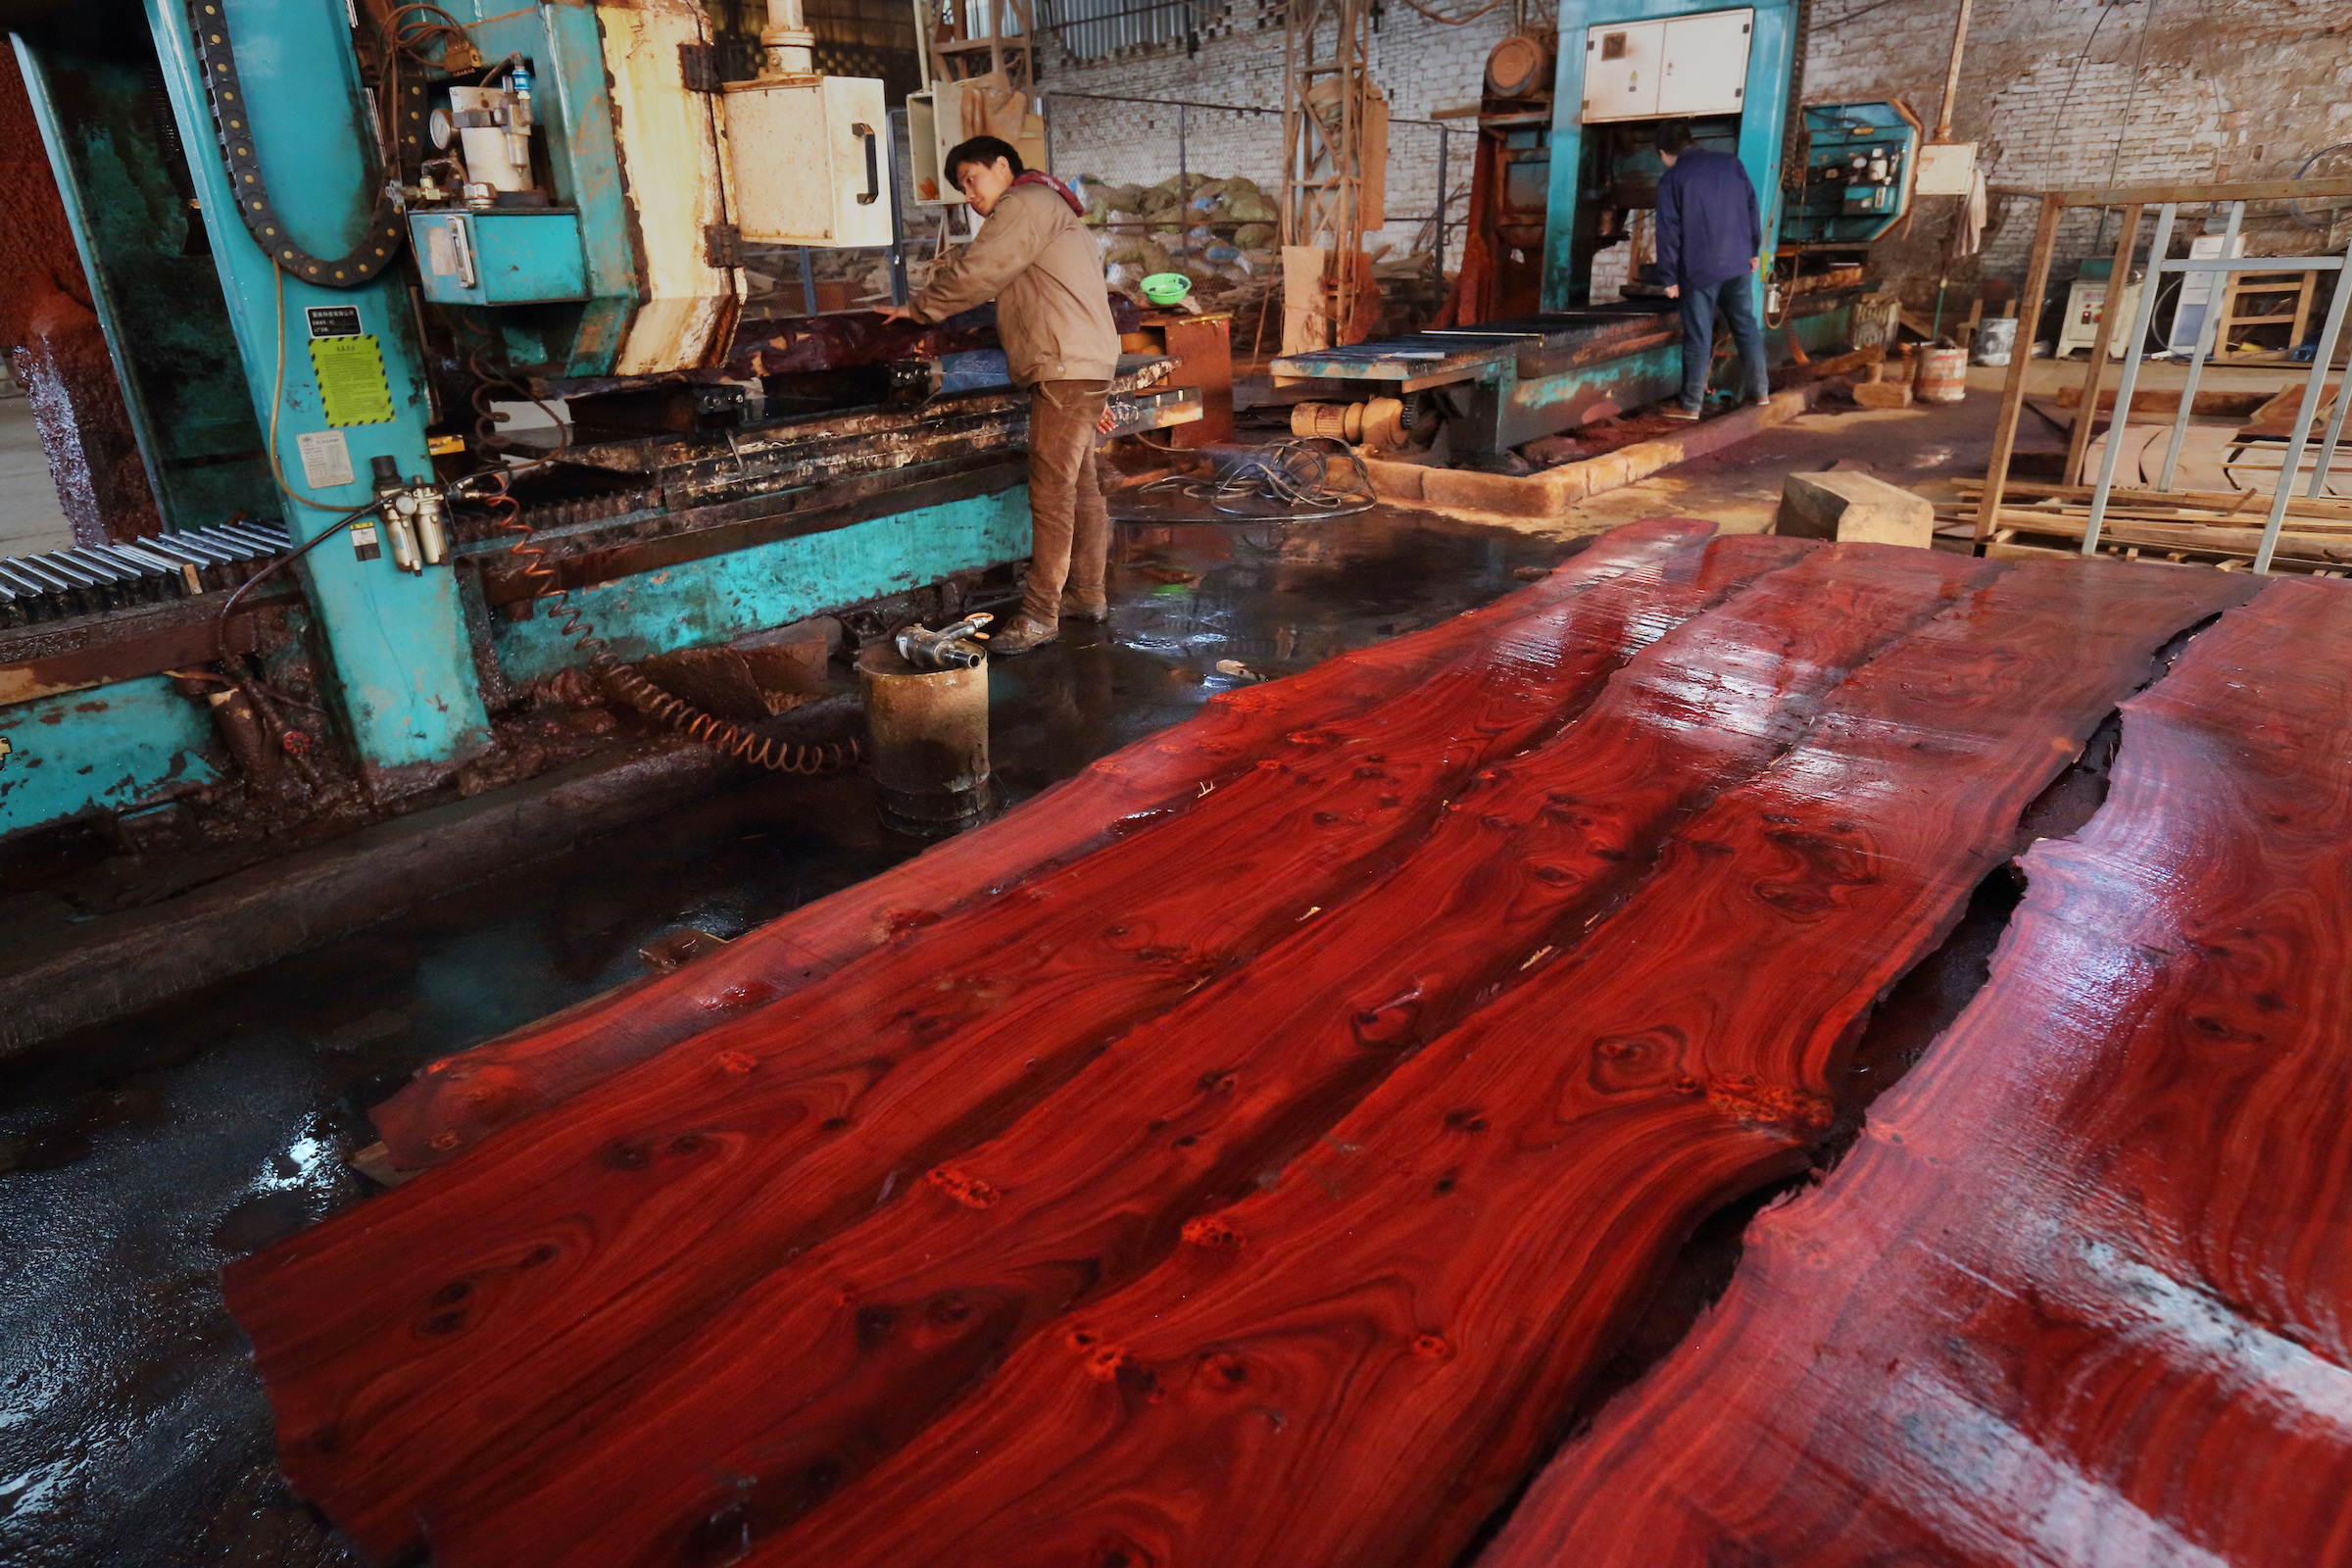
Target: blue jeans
<point x="1736" y="299"/>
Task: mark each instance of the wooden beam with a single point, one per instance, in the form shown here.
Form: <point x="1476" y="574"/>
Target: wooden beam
<point x="2261" y="191"/>
<point x="2013" y="388"/>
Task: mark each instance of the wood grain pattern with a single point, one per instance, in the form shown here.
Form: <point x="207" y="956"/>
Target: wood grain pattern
<point x="456" y="1103"/>
<point x="1356" y="1366"/>
<point x="2082" y="1295"/>
<point x="474" y="1310"/>
<point x="813" y="1374"/>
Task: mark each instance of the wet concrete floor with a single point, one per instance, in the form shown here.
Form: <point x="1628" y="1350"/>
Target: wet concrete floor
<point x="137" y="1159"/>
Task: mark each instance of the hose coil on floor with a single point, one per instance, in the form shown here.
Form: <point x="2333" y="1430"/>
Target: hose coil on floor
<point x="721" y="735"/>
<point x="1297" y="473"/>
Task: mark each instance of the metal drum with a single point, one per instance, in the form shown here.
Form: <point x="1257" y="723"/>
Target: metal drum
<point x="1943" y="376"/>
<point x="930" y="732"/>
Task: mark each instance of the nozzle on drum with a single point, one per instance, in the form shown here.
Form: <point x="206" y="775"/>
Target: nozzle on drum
<point x="930" y="734"/>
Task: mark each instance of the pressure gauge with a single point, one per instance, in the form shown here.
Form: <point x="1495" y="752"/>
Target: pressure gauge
<point x="441" y="128"/>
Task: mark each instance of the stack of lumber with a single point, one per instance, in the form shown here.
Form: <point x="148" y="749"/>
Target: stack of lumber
<point x="1250" y="1153"/>
<point x="2210" y="527"/>
<point x="2080" y="1293"/>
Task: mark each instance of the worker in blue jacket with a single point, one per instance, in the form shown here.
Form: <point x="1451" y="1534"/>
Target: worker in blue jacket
<point x="1710" y="237"/>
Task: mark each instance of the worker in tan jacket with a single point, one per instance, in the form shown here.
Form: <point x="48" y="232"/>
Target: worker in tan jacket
<point x="1039" y="265"/>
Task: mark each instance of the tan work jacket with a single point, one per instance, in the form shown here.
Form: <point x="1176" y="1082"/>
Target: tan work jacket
<point x="1039" y="265"/>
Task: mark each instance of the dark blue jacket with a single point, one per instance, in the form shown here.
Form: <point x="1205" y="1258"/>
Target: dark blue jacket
<point x="1708" y="226"/>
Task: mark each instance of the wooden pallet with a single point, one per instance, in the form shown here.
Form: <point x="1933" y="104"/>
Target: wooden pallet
<point x="2182" y="527"/>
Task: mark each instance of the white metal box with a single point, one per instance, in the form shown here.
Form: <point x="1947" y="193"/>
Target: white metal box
<point x="812" y="161"/>
<point x="1945" y="169"/>
<point x="945" y="114"/>
<point x="1622" y="68"/>
<point x="924" y="152"/>
<point x="2197" y="291"/>
<point x="2085" y="300"/>
<point x="1706" y="62"/>
<point x="1676" y="67"/>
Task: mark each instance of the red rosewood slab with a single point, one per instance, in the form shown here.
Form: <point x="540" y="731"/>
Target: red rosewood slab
<point x="1357" y="1367"/>
<point x="2082" y="1294"/>
<point x="813" y="1374"/>
<point x="456" y="1103"/>
<point x="474" y="1310"/>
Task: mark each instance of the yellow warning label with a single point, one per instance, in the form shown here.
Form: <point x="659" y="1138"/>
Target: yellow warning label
<point x="351" y="379"/>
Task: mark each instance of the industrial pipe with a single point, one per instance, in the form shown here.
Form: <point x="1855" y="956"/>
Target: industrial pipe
<point x="791" y="47"/>
<point x="1952" y="79"/>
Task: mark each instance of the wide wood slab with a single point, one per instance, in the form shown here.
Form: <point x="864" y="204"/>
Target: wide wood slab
<point x="815" y="1374"/>
<point x="1358" y="1364"/>
<point x="2082" y="1294"/>
<point x="480" y="1309"/>
<point x="456" y="1103"/>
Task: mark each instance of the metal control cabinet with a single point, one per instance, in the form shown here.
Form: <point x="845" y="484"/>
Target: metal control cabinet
<point x="1676" y="66"/>
<point x="515" y="257"/>
<point x="812" y="161"/>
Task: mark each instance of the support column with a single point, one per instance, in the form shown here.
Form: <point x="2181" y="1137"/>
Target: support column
<point x="398" y="642"/>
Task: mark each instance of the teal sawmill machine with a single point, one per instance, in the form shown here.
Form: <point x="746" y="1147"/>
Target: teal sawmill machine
<point x="331" y="244"/>
<point x="1567" y="173"/>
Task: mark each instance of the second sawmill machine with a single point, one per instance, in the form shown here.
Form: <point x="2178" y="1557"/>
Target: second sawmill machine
<point x="1567" y="172"/>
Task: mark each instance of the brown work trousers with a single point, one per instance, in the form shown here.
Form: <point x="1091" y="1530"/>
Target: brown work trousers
<point x="1069" y="523"/>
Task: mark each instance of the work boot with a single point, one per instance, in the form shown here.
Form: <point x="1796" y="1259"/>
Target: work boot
<point x="1018" y="636"/>
<point x="1077" y="607"/>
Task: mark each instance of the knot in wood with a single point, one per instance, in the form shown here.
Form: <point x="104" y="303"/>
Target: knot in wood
<point x="1207" y="1230"/>
<point x="1747" y="1100"/>
<point x="969" y="1190"/>
<point x="736" y="1062"/>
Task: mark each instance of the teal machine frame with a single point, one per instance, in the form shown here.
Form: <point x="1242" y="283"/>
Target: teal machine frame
<point x="1757" y="136"/>
<point x="1502" y="383"/>
<point x="212" y="344"/>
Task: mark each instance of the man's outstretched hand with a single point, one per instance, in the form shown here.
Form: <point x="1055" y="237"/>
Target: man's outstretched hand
<point x="897" y="313"/>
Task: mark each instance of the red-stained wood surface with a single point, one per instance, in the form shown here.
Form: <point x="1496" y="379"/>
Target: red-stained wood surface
<point x="453" y="1105"/>
<point x="1357" y="1367"/>
<point x="826" y="1365"/>
<point x="476" y="1309"/>
<point x="2083" y="1294"/>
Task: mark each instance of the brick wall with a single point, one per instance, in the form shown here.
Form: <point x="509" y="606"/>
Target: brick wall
<point x="2227" y="89"/>
<point x="1421" y="65"/>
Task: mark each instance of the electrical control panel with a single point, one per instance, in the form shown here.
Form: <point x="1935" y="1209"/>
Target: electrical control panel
<point x="1669" y="68"/>
<point x="514" y="257"/>
<point x="1859" y="160"/>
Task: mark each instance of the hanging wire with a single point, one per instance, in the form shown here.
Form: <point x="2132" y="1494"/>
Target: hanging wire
<point x="1294" y="474"/>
